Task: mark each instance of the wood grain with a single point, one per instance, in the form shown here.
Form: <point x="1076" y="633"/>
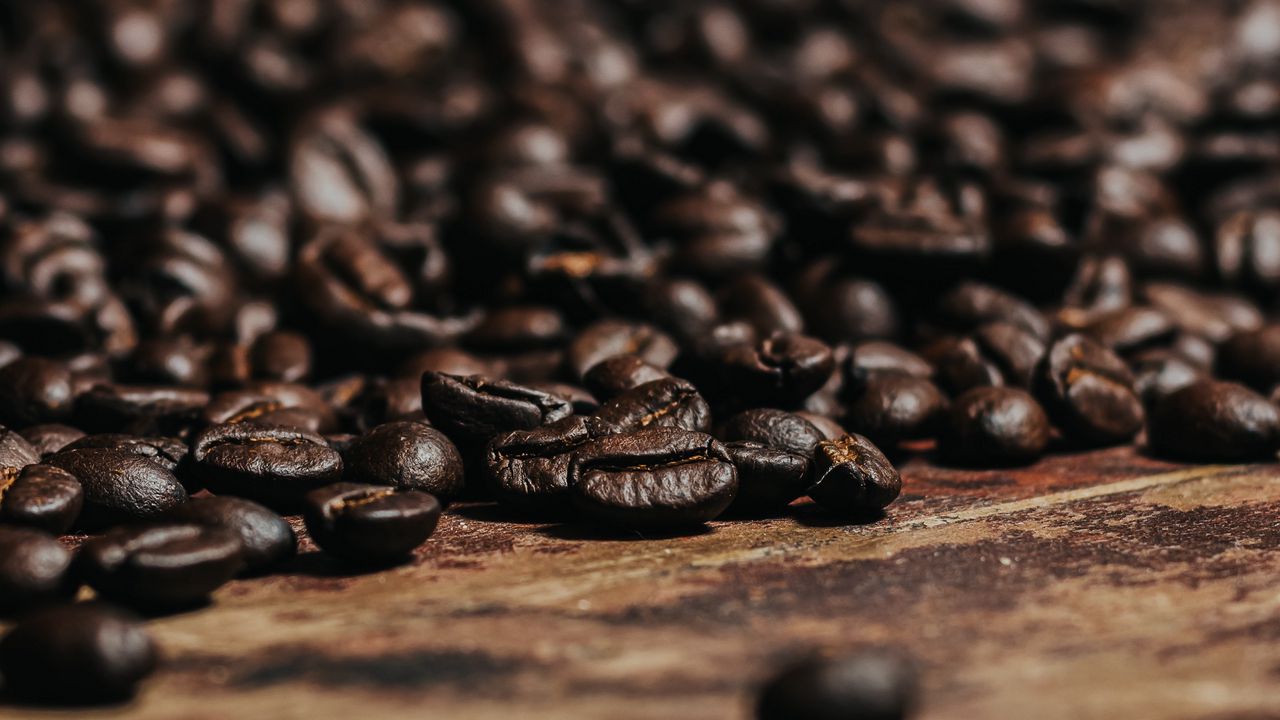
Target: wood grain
<point x="1105" y="585"/>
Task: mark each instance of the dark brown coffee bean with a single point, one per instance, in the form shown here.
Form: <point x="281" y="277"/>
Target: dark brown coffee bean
<point x="35" y="390"/>
<point x="1245" y="248"/>
<point x="768" y="478"/>
<point x="42" y="497"/>
<point x="169" y="361"/>
<point x="164" y="451"/>
<point x="870" y="685"/>
<point x="1158" y="373"/>
<point x="610" y="338"/>
<point x="779" y="370"/>
<point x="76" y="654"/>
<point x="582" y="401"/>
<point x="717" y="231"/>
<point x="530" y="468"/>
<point x="119" y="486"/>
<point x="1088" y="391"/>
<point x="773" y="428"/>
<point x="160" y="567"/>
<point x="33" y="569"/>
<point x="516" y="329"/>
<point x="850" y="475"/>
<point x="370" y="524"/>
<point x="338" y="172"/>
<point x="472" y="409"/>
<point x="972" y="304"/>
<point x="962" y="365"/>
<point x="1215" y="317"/>
<point x="761" y="304"/>
<point x="50" y="438"/>
<point x="1013" y="350"/>
<point x="450" y="361"/>
<point x="281" y="356"/>
<point x="273" y="465"/>
<point x="1131" y="329"/>
<point x="875" y="357"/>
<point x="406" y="455"/>
<point x="613" y="376"/>
<point x="995" y="426"/>
<point x="139" y="409"/>
<point x="893" y="407"/>
<point x="655" y="478"/>
<point x="669" y="402"/>
<point x="266" y="539"/>
<point x="1251" y="357"/>
<point x="683" y="307"/>
<point x="1212" y="421"/>
<point x="828" y="428"/>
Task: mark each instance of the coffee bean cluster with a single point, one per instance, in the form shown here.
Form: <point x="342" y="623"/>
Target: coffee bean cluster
<point x="635" y="264"/>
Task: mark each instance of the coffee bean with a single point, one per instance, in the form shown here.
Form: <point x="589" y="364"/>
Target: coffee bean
<point x="1213" y="421"/>
<point x="773" y="428"/>
<point x="893" y="407"/>
<point x="166" y="452"/>
<point x="962" y="365"/>
<point x="875" y="357"/>
<point x="779" y="370"/>
<point x="849" y="475"/>
<point x="1250" y="357"/>
<point x="1158" y="373"/>
<point x="15" y="452"/>
<point x="768" y="478"/>
<point x="407" y="455"/>
<point x="828" y="428"/>
<point x="870" y="685"/>
<point x="1131" y="329"/>
<point x="971" y="305"/>
<point x="33" y="569"/>
<point x="995" y="426"/>
<point x="50" y="438"/>
<point x="370" y="524"/>
<point x="653" y="478"/>
<point x="611" y="338"/>
<point x="266" y="539"/>
<point x="281" y="356"/>
<point x="669" y="402"/>
<point x="160" y="567"/>
<point x="119" y="486"/>
<point x="273" y="465"/>
<point x="530" y="468"/>
<point x="35" y="390"/>
<point x="338" y="172"/>
<point x="42" y="497"/>
<point x="76" y="654"/>
<point x="613" y="376"/>
<point x="582" y="401"/>
<point x="472" y="409"/>
<point x="1014" y="351"/>
<point x="1089" y="392"/>
<point x="139" y="410"/>
<point x="761" y="304"/>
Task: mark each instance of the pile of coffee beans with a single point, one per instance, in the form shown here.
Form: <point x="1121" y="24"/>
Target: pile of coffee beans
<point x="635" y="264"/>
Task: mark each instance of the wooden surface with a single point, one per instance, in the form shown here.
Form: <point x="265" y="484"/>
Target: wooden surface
<point x="1100" y="586"/>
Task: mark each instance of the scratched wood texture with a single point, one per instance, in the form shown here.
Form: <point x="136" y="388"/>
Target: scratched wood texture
<point x="1106" y="585"/>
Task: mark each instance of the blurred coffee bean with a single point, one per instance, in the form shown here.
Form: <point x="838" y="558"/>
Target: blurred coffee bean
<point x="995" y="426"/>
<point x="1251" y="357"/>
<point x="1213" y="421"/>
<point x="33" y="569"/>
<point x="1089" y="392"/>
<point x="768" y="478"/>
<point x="35" y="390"/>
<point x="160" y="567"/>
<point x="369" y="524"/>
<point x="849" y="475"/>
<point x="613" y="376"/>
<point x="893" y="407"/>
<point x="266" y="539"/>
<point x="870" y="685"/>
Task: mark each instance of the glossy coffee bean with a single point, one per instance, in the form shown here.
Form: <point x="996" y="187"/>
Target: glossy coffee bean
<point x="613" y="376"/>
<point x="472" y="409"/>
<point x="139" y="409"/>
<point x="273" y="465"/>
<point x="164" y="451"/>
<point x="1089" y="392"/>
<point x="669" y="402"/>
<point x="772" y="428"/>
<point x="266" y="539"/>
<point x="530" y="468"/>
<point x="877" y="356"/>
<point x="779" y="370"/>
<point x="655" y="478"/>
<point x="962" y="365"/>
<point x="893" y="407"/>
<point x="160" y="567"/>
<point x="768" y="478"/>
<point x="995" y="426"/>
<point x="406" y="455"/>
<point x="35" y="390"/>
<point x="611" y="338"/>
<point x="42" y="497"/>
<point x="76" y="654"/>
<point x="1251" y="358"/>
<point x="369" y="524"/>
<point x="1158" y="373"/>
<point x="281" y="356"/>
<point x="49" y="438"/>
<point x="33" y="569"/>
<point x="119" y="486"/>
<point x="870" y="685"/>
<point x="849" y="475"/>
<point x="1214" y="421"/>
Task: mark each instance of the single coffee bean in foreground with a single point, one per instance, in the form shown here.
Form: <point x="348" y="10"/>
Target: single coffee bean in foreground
<point x="1215" y="421"/>
<point x="530" y="468"/>
<point x="849" y="475"/>
<point x="41" y="496"/>
<point x="33" y="569"/>
<point x="370" y="524"/>
<point x="768" y="478"/>
<point x="160" y="567"/>
<point x="76" y="655"/>
<point x="407" y="455"/>
<point x="119" y="486"/>
<point x="273" y="465"/>
<point x="894" y="407"/>
<point x="652" y="479"/>
<point x="669" y="402"/>
<point x="266" y="539"/>
<point x="869" y="685"/>
<point x="773" y="428"/>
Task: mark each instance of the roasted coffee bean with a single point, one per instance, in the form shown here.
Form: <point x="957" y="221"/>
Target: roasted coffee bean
<point x="1013" y="350"/>
<point x="280" y="356"/>
<point x="41" y="496"/>
<point x="875" y="357"/>
<point x="962" y="365"/>
<point x="169" y="361"/>
<point x="266" y="539"/>
<point x="530" y="468"/>
<point x="160" y="567"/>
<point x="1214" y="317"/>
<point x="15" y="452"/>
<point x="1089" y="392"/>
<point x="472" y="409"/>
<point x="773" y="428"/>
<point x="654" y="478"/>
<point x="139" y="410"/>
<point x="1158" y="373"/>
<point x="272" y="404"/>
<point x="850" y="475"/>
<point x="1213" y="421"/>
<point x="273" y="465"/>
<point x="768" y="478"/>
<point x="1132" y="328"/>
<point x="681" y="306"/>
<point x="971" y="305"/>
<point x="779" y="370"/>
<point x="406" y="455"/>
<point x="611" y="338"/>
<point x="995" y="426"/>
<point x="338" y="172"/>
<point x="49" y="439"/>
<point x="582" y="401"/>
<point x="669" y="402"/>
<point x="450" y="361"/>
<point x="829" y="429"/>
<point x="35" y="390"/>
<point x="370" y="524"/>
<point x="33" y="569"/>
<point x="164" y="451"/>
<point x="76" y="654"/>
<point x="1252" y="358"/>
<point x="870" y="685"/>
<point x="613" y="376"/>
<point x="851" y="310"/>
<point x="761" y="304"/>
<point x="893" y="407"/>
<point x="119" y="486"/>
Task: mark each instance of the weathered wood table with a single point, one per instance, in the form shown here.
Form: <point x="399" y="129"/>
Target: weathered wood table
<point x="1106" y="585"/>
